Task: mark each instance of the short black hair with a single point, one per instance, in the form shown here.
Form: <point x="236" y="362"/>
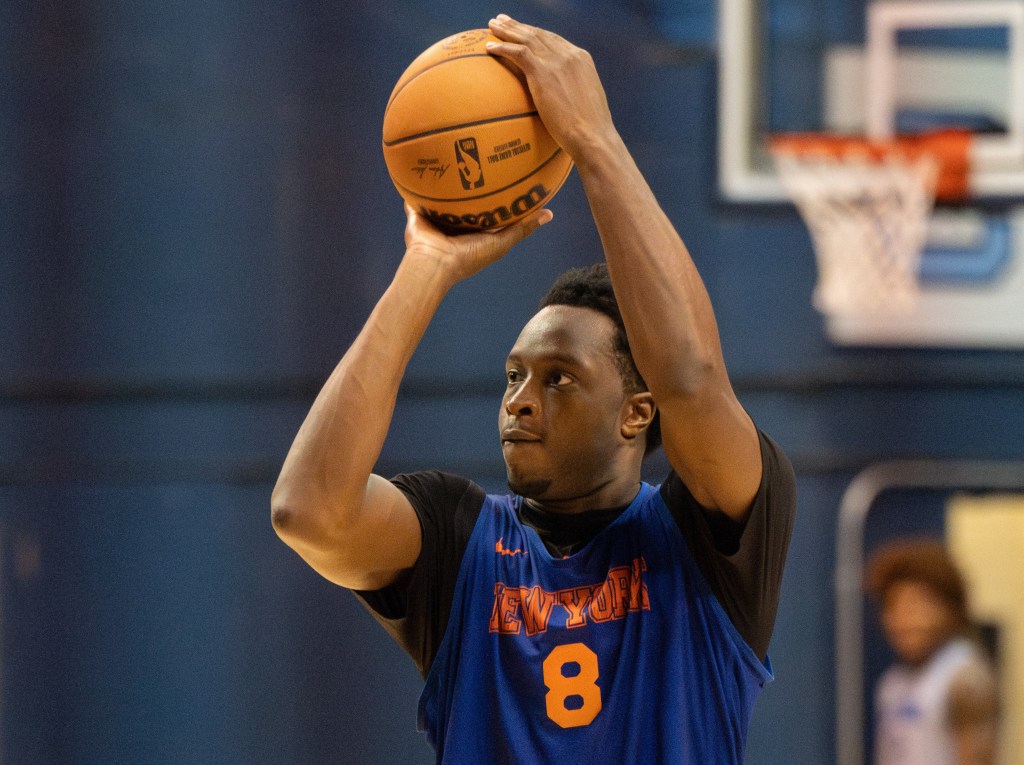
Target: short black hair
<point x="591" y="287"/>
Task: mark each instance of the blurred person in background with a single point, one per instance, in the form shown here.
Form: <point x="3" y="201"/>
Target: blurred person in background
<point x="938" y="703"/>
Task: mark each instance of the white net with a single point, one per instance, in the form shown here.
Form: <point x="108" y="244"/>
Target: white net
<point x="868" y="219"/>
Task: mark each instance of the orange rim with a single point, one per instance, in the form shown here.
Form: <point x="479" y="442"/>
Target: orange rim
<point x="950" y="147"/>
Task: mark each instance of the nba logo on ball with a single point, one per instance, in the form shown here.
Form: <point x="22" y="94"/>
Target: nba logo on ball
<point x="468" y="160"/>
<point x="462" y="139"/>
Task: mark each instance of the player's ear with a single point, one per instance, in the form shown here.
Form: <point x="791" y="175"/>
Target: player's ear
<point x="638" y="412"/>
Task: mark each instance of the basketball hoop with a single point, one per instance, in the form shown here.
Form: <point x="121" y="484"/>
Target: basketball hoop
<point x="867" y="204"/>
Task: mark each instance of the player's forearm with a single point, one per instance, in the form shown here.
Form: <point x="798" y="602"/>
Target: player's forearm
<point x="662" y="298"/>
<point x="324" y="477"/>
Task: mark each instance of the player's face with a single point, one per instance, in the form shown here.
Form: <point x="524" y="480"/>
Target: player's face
<point x="561" y="413"/>
<point x="916" y="620"/>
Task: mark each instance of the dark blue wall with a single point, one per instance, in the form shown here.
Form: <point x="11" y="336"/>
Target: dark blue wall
<point x="195" y="218"/>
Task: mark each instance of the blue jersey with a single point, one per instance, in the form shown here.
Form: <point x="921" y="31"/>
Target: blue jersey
<point x="619" y="653"/>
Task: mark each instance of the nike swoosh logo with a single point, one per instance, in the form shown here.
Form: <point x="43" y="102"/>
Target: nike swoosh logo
<point x="500" y="548"/>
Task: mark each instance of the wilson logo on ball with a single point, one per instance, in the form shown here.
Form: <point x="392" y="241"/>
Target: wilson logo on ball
<point x="500" y="215"/>
<point x="467" y="158"/>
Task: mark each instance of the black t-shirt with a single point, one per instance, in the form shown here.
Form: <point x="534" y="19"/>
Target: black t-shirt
<point x="743" y="563"/>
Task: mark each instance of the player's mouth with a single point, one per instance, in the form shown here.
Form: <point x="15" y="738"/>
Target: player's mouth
<point x="518" y="436"/>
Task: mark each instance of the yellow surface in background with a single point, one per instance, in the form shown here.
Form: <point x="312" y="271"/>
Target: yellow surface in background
<point x="986" y="536"/>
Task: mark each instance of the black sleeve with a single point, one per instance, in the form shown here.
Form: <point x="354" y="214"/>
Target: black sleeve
<point x="743" y="563"/>
<point x="414" y="610"/>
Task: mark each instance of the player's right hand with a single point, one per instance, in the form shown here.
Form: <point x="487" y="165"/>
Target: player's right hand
<point x="462" y="255"/>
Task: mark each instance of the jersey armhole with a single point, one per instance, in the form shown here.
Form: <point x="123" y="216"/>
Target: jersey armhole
<point x="745" y="577"/>
<point x="415" y="609"/>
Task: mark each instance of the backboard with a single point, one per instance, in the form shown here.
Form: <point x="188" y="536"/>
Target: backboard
<point x="878" y="69"/>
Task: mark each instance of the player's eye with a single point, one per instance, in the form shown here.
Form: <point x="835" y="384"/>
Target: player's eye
<point x="512" y="376"/>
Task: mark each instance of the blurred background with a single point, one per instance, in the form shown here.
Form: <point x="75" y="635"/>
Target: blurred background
<point x="195" y="219"/>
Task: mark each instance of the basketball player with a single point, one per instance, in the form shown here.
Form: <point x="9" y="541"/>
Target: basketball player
<point x="586" y="616"/>
<point x="938" y="705"/>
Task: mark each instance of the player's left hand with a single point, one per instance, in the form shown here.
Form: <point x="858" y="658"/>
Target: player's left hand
<point x="563" y="82"/>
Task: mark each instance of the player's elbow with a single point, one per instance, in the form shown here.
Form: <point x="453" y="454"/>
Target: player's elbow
<point x="282" y="516"/>
<point x="336" y="552"/>
<point x="310" y="523"/>
<point x="285" y="519"/>
<point x="294" y="520"/>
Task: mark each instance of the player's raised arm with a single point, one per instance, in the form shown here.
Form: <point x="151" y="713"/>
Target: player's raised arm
<point x="353" y="527"/>
<point x="708" y="437"/>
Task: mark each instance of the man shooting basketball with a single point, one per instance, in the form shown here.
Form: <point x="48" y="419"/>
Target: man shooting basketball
<point x="586" y="616"/>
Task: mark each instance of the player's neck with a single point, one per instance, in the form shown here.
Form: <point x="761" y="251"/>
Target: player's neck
<point x="613" y="494"/>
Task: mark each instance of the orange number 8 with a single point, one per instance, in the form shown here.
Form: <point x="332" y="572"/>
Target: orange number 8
<point x="581" y="685"/>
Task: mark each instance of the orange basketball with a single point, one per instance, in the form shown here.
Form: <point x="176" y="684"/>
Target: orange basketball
<point x="462" y="140"/>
